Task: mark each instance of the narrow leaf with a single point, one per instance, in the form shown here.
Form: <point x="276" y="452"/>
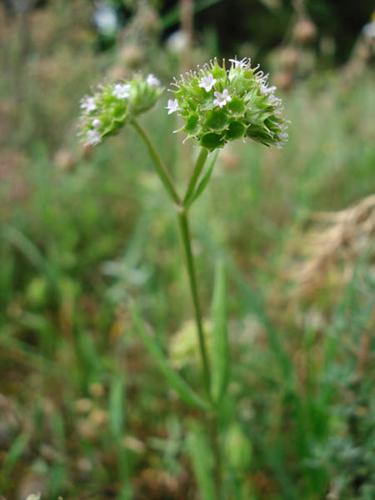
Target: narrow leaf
<point x="15" y="453"/>
<point x="185" y="392"/>
<point x="116" y="407"/>
<point x="220" y="343"/>
<point x="205" y="179"/>
<point x="202" y="460"/>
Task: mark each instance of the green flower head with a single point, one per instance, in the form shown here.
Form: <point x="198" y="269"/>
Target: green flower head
<point x="114" y="105"/>
<point x="219" y="105"/>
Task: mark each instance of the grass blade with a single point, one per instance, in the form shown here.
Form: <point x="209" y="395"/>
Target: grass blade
<point x="200" y="453"/>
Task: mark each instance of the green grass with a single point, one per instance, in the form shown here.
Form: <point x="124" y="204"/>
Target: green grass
<point x="298" y="421"/>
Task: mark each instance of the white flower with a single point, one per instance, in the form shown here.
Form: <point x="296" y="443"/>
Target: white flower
<point x="96" y="123"/>
<point x="105" y="18"/>
<point x="222" y="98"/>
<point x="88" y="104"/>
<point x="266" y="90"/>
<point x="177" y="42"/>
<point x="152" y="80"/>
<point x="121" y="90"/>
<point x="93" y="138"/>
<point x="273" y="100"/>
<point x="207" y="82"/>
<point x="369" y="31"/>
<point x="172" y="106"/>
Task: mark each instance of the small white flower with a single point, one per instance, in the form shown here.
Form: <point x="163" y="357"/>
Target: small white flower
<point x="222" y="98"/>
<point x="96" y="123"/>
<point x="172" y="106"/>
<point x="275" y="101"/>
<point x="88" y="104"/>
<point x="266" y="90"/>
<point x="93" y="138"/>
<point x="369" y="31"/>
<point x="121" y="90"/>
<point x="152" y="80"/>
<point x="178" y="42"/>
<point x="207" y="82"/>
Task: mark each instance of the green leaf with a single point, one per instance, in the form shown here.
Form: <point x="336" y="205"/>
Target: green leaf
<point x="15" y="453"/>
<point x="220" y="344"/>
<point x="202" y="460"/>
<point x="116" y="406"/>
<point x="205" y="179"/>
<point x="185" y="392"/>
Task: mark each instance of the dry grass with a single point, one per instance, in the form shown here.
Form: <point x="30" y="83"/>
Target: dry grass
<point x="330" y="250"/>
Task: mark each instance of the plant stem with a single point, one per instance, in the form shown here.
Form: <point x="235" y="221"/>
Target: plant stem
<point x="215" y="443"/>
<point x="190" y="266"/>
<point x="160" y="167"/>
<point x="201" y="160"/>
<point x="182" y="205"/>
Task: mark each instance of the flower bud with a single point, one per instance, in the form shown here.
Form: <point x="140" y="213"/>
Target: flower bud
<point x="114" y="105"/>
<point x="219" y="105"/>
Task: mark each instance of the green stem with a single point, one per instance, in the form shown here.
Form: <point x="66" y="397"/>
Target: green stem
<point x="213" y="427"/>
<point x="160" y="167"/>
<point x="201" y="160"/>
<point x="186" y="239"/>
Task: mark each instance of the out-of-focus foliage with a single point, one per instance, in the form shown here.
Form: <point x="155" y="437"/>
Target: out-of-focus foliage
<point x="83" y="411"/>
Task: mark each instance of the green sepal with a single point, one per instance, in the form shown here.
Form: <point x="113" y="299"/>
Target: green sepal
<point x="216" y="119"/>
<point x="212" y="141"/>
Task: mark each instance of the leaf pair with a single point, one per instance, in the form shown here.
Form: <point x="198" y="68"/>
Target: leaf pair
<point x="202" y="184"/>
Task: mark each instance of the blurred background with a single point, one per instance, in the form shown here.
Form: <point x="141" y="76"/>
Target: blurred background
<point x="84" y="413"/>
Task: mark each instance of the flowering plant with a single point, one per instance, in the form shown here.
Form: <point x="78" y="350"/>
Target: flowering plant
<point x="112" y="106"/>
<point x="217" y="105"/>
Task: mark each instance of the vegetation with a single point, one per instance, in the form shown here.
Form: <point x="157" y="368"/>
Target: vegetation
<point x="84" y="409"/>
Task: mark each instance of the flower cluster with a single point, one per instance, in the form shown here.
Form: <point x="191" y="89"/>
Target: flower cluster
<point x="113" y="105"/>
<point x="219" y="105"/>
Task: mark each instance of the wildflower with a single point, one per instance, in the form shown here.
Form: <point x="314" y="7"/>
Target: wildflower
<point x="177" y="42"/>
<point x="152" y="80"/>
<point x="88" y="104"/>
<point x="172" y="106"/>
<point x="266" y="90"/>
<point x="106" y="20"/>
<point x="114" y="105"/>
<point x="222" y="98"/>
<point x="121" y="90"/>
<point x="207" y="83"/>
<point x="244" y="105"/>
<point x="93" y="137"/>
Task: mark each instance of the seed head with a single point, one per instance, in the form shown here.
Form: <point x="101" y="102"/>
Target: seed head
<point x="219" y="104"/>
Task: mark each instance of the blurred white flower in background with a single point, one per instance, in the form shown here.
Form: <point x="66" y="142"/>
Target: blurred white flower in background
<point x="177" y="42"/>
<point x="369" y="31"/>
<point x="105" y="19"/>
